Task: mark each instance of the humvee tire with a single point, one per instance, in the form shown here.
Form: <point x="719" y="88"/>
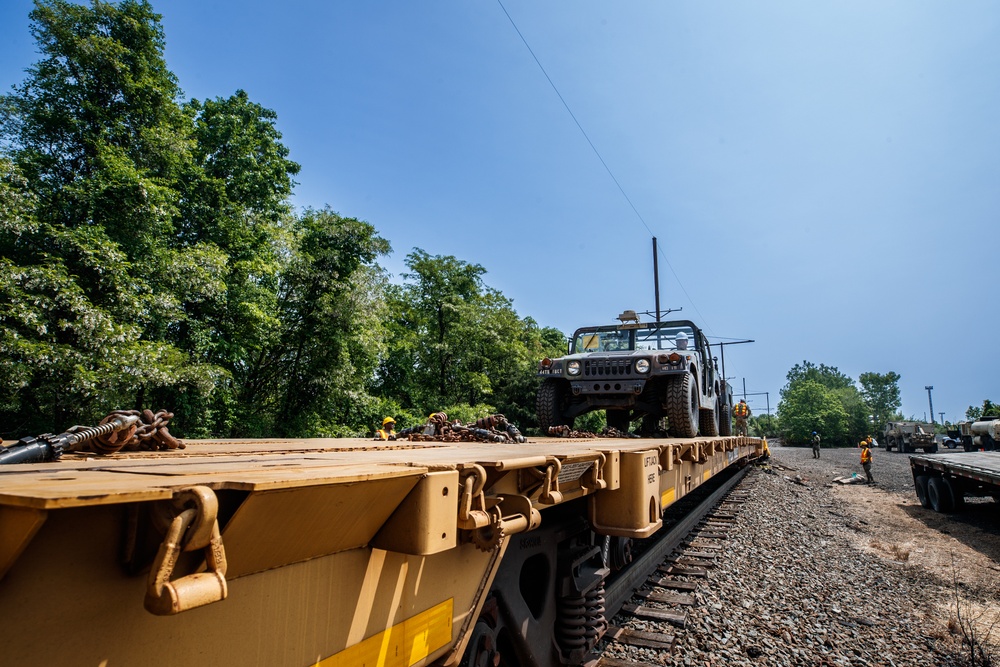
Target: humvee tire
<point x="682" y="407"/>
<point x="708" y="421"/>
<point x="551" y="405"/>
<point x="618" y="419"/>
<point x="725" y="421"/>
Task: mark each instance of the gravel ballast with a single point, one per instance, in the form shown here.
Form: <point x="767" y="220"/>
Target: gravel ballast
<point x="818" y="573"/>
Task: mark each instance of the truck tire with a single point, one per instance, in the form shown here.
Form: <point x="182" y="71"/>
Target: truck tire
<point x="989" y="444"/>
<point x="940" y="495"/>
<point x="932" y="449"/>
<point x="920" y="484"/>
<point x="551" y="405"/>
<point x="708" y="421"/>
<point x="618" y="419"/>
<point x="957" y="496"/>
<point x="890" y="443"/>
<point x="725" y="421"/>
<point x="682" y="407"/>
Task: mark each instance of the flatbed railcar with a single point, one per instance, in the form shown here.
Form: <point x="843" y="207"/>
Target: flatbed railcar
<point x="331" y="551"/>
<point x="943" y="481"/>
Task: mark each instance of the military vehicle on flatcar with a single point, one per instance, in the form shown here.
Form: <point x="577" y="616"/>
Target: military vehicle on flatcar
<point x="637" y="370"/>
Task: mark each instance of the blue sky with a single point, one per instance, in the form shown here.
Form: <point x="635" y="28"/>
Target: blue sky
<point x="821" y="177"/>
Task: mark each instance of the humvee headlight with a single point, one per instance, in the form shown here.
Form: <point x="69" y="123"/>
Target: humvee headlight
<point x="642" y="365"/>
<point x="573" y="368"/>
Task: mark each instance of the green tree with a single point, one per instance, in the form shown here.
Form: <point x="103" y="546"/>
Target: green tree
<point x="988" y="408"/>
<point x="808" y="406"/>
<point x="828" y="376"/>
<point x="764" y="425"/>
<point x="95" y="283"/>
<point x="455" y="341"/>
<point x="881" y="395"/>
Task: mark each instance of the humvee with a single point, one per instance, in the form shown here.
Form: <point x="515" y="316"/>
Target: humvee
<point x="637" y="370"/>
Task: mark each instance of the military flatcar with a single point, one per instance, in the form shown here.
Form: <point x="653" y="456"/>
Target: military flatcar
<point x="331" y="551"/>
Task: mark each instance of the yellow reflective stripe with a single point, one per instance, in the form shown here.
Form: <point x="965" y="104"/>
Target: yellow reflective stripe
<point x="704" y="477"/>
<point x="402" y="645"/>
<point x="668" y="497"/>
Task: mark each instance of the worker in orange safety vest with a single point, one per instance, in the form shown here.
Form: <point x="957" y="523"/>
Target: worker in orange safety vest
<point x="866" y="460"/>
<point x="741" y="411"/>
<point x="387" y="431"/>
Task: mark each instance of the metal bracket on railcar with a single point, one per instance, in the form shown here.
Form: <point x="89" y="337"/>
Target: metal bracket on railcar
<point x="194" y="526"/>
<point x="487" y="521"/>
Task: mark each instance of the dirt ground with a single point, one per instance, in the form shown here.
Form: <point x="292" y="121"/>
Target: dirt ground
<point x="957" y="553"/>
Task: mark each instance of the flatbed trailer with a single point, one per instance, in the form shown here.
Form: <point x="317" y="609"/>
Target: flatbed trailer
<point x="942" y="481"/>
<point x="330" y="551"/>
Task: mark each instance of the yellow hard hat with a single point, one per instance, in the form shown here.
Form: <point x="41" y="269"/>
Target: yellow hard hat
<point x="388" y="420"/>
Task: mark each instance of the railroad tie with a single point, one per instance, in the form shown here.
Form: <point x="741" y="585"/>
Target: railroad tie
<point x="708" y="535"/>
<point x="704" y="545"/>
<point x="673" y="584"/>
<point x="617" y="662"/>
<point x="684" y="570"/>
<point x="683" y="560"/>
<point x="677" y="618"/>
<point x="663" y="597"/>
<point x="655" y="640"/>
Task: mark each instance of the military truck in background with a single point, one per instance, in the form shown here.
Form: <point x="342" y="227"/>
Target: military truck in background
<point x="982" y="434"/>
<point x="909" y="437"/>
<point x="637" y="370"/>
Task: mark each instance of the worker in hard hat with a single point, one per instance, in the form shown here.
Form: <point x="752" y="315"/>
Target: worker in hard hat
<point x="741" y="411"/>
<point x="866" y="460"/>
<point x="387" y="432"/>
<point x="681" y="341"/>
<point x="815" y="444"/>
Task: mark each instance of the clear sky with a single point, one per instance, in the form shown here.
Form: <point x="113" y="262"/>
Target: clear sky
<point x="822" y="177"/>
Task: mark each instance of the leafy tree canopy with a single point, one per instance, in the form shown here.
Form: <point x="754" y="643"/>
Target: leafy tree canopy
<point x="881" y="395"/>
<point x="988" y="408"/>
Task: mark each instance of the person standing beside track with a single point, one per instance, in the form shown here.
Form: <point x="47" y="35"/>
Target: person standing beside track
<point x="815" y="445"/>
<point x="866" y="460"/>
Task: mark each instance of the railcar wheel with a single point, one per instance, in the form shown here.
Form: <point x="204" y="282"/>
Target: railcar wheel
<point x="920" y="484"/>
<point x="940" y="495"/>
<point x="551" y="405"/>
<point x="682" y="407"/>
<point x="482" y="649"/>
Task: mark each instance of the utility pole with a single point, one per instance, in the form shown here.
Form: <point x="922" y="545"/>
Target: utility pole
<point x="656" y="281"/>
<point x="929" y="401"/>
<point x="941" y="414"/>
<point x="744" y="389"/>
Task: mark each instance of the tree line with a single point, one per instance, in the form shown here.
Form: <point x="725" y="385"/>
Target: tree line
<point x="822" y="399"/>
<point x="150" y="257"/>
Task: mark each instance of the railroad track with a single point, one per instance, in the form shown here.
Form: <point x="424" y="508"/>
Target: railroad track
<point x="667" y="574"/>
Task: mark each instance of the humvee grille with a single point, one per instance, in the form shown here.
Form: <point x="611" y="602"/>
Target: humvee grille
<point x="607" y="367"/>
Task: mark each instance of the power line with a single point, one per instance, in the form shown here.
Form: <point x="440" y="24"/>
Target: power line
<point x="599" y="157"/>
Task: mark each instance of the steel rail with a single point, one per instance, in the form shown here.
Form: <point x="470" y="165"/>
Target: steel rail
<point x="618" y="591"/>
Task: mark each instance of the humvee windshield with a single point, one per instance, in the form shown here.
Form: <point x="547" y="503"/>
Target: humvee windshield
<point x="624" y="340"/>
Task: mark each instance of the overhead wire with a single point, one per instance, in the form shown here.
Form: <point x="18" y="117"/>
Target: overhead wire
<point x="601" y="158"/>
